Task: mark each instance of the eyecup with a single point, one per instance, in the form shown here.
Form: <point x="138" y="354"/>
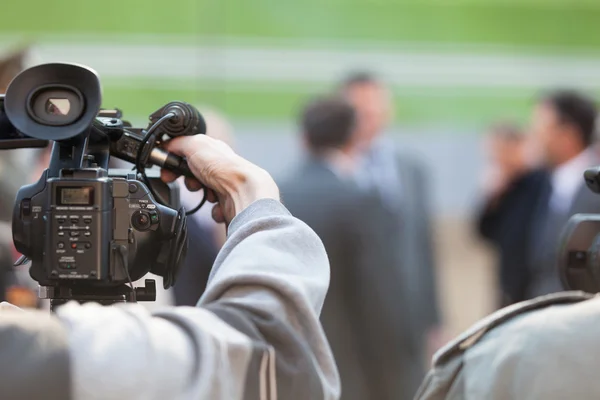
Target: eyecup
<point x="79" y="78"/>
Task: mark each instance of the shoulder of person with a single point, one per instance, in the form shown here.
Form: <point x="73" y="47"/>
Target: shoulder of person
<point x="306" y="173"/>
<point x="513" y="345"/>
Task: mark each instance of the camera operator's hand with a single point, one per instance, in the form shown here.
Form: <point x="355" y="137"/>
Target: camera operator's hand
<point x="234" y="182"/>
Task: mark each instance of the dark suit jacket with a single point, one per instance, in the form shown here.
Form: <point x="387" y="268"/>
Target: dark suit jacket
<point x="506" y="223"/>
<point x="365" y="315"/>
<point x="527" y="233"/>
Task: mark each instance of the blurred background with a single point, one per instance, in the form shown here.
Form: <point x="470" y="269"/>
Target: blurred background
<point x="454" y="67"/>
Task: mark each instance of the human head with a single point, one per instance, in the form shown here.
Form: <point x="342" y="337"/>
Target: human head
<point x="328" y="123"/>
<point x="373" y="103"/>
<point x="507" y="146"/>
<point x="563" y="125"/>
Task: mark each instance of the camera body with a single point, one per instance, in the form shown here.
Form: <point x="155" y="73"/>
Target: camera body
<point x="88" y="232"/>
<point x="579" y="254"/>
<point x="85" y="226"/>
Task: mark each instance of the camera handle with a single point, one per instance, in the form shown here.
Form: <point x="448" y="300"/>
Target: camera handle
<point x="78" y="151"/>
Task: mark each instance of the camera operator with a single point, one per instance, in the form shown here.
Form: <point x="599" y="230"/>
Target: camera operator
<point x="254" y="334"/>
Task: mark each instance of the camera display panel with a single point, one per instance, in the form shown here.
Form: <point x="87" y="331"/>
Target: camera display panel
<point x="75" y="196"/>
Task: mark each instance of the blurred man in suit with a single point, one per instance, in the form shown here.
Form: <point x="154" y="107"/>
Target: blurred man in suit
<point x="563" y="125"/>
<point x="402" y="183"/>
<point x="365" y="313"/>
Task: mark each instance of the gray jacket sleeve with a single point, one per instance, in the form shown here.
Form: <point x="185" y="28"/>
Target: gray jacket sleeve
<point x="254" y="335"/>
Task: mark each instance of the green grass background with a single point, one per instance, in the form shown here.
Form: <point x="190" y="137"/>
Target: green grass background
<point x="550" y="26"/>
<point x="525" y="22"/>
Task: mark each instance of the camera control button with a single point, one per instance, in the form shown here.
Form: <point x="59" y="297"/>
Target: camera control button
<point x="133" y="188"/>
<point x="26" y="207"/>
<point x="74" y="220"/>
<point x="87" y="233"/>
<point x="74" y="233"/>
<point x="87" y="220"/>
<point x="61" y="233"/>
<point x="60" y="245"/>
<point x="73" y="245"/>
<point x="88" y="245"/>
<point x="61" y="220"/>
<point x="141" y="220"/>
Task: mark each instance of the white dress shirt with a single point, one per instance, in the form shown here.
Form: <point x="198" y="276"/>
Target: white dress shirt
<point x="567" y="179"/>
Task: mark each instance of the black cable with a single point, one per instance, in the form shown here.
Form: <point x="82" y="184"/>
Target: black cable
<point x="202" y="202"/>
<point x="138" y="161"/>
<point x="122" y="251"/>
<point x="155" y="194"/>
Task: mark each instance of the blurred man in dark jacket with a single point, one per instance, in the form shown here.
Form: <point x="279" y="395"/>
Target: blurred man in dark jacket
<point x="528" y="213"/>
<point x="365" y="315"/>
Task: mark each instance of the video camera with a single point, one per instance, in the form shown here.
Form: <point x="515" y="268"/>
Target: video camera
<point x="579" y="257"/>
<point x="88" y="231"/>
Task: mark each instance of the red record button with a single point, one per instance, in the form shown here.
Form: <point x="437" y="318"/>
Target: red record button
<point x="73" y="245"/>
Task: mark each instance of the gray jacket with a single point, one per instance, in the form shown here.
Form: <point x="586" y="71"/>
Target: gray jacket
<point x="254" y="335"/>
<point x="365" y="316"/>
<point x="545" y="348"/>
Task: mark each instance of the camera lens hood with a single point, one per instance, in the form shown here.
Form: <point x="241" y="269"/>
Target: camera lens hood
<point x="56" y="101"/>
